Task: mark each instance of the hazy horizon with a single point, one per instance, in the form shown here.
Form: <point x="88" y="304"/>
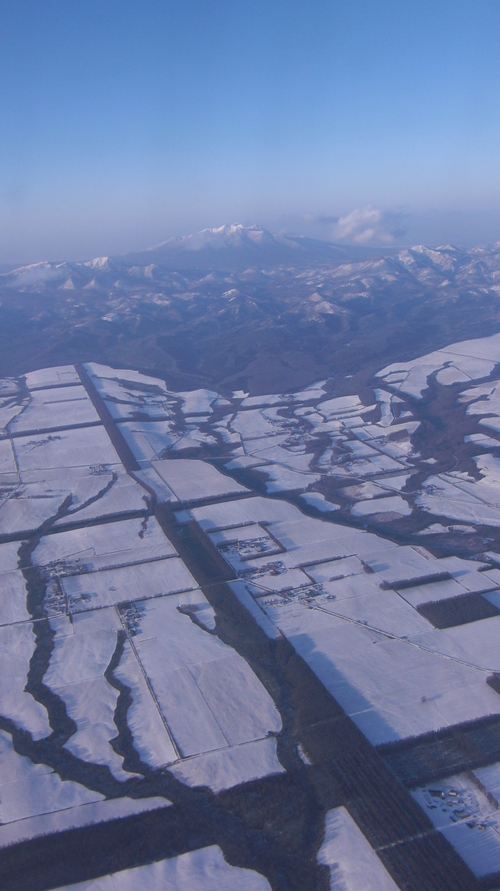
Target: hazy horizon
<point x="375" y="123"/>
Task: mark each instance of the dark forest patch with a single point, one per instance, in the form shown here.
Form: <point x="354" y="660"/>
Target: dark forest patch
<point x="458" y="610"/>
<point x="443" y="753"/>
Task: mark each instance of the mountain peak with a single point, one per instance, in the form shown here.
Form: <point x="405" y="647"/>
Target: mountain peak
<point x="234" y="246"/>
<point x="230" y="235"/>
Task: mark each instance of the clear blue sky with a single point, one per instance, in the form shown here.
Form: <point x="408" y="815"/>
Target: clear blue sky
<point x="125" y="122"/>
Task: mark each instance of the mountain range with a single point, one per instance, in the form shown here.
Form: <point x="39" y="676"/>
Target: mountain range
<point x="229" y="247"/>
<point x="241" y="306"/>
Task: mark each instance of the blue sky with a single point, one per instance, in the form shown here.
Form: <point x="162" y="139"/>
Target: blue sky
<point x="126" y="122"/>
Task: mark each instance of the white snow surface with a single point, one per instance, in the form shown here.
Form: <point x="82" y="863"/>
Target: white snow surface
<point x="353" y="864"/>
<point x="91" y="704"/>
<point x="317" y="500"/>
<point x="83" y="647"/>
<point x="395" y="505"/>
<point x="229" y="767"/>
<point x="151" y="481"/>
<point x="149" y="439"/>
<point x="105" y="377"/>
<point x="432" y="592"/>
<point x="459" y="808"/>
<point x="402" y="564"/>
<point x="202" y="870"/>
<point x="110" y="586"/>
<point x="193" y="480"/>
<point x="7" y="460"/>
<point x="52" y="408"/>
<point x="209" y="696"/>
<point x="197" y="402"/>
<point x="391" y="685"/>
<point x="30" y="506"/>
<point x="67" y="448"/>
<point x="52" y="377"/>
<point x="76" y="815"/>
<point x="13" y="597"/>
<point x="283" y="479"/>
<point x="468" y="359"/>
<point x="41" y="794"/>
<point x="9" y="558"/>
<point x="125" y="496"/>
<point x="248" y="510"/>
<point x="104" y="546"/>
<point x="151" y="739"/>
<point x="17" y="643"/>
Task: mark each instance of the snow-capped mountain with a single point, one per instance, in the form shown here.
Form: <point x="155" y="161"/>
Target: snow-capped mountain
<point x="232" y="235"/>
<point x="237" y="304"/>
<point x="235" y="245"/>
<point x="232" y="247"/>
<point x="235" y="248"/>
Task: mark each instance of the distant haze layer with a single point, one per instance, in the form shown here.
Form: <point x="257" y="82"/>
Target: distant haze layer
<point x="242" y="308"/>
<point x="366" y="122"/>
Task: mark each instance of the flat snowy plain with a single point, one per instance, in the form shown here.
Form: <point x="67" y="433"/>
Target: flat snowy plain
<point x="125" y="615"/>
<point x="353" y="864"/>
<point x="203" y="870"/>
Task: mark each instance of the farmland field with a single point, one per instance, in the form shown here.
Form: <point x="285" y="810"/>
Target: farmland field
<point x="191" y="640"/>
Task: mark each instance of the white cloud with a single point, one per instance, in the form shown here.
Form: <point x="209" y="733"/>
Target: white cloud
<point x="364" y="225"/>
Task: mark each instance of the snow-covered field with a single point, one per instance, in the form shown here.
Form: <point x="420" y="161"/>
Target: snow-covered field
<point x="414" y="679"/>
<point x="149" y="439"/>
<point x="12" y="597"/>
<point x="432" y="592"/>
<point x="133" y="582"/>
<point x="317" y="500"/>
<point x="36" y="793"/>
<point x="16" y="648"/>
<point x="392" y="685"/>
<point x="129" y="393"/>
<point x="52" y="377"/>
<point x="353" y="864"/>
<point x="83" y="647"/>
<point x="74" y="816"/>
<point x="229" y="767"/>
<point x="459" y="808"/>
<point x="224" y="515"/>
<point x="208" y="695"/>
<point x="202" y="870"/>
<point x="35" y="801"/>
<point x="151" y="739"/>
<point x="91" y="703"/>
<point x="347" y="599"/>
<point x="197" y="402"/>
<point x="104" y="546"/>
<point x="192" y="480"/>
<point x="52" y="408"/>
<point x="7" y="461"/>
<point x="461" y="497"/>
<point x="459" y="362"/>
<point x="119" y="495"/>
<point x="65" y="449"/>
<point x="396" y="505"/>
<point x="9" y="556"/>
<point x="28" y="507"/>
